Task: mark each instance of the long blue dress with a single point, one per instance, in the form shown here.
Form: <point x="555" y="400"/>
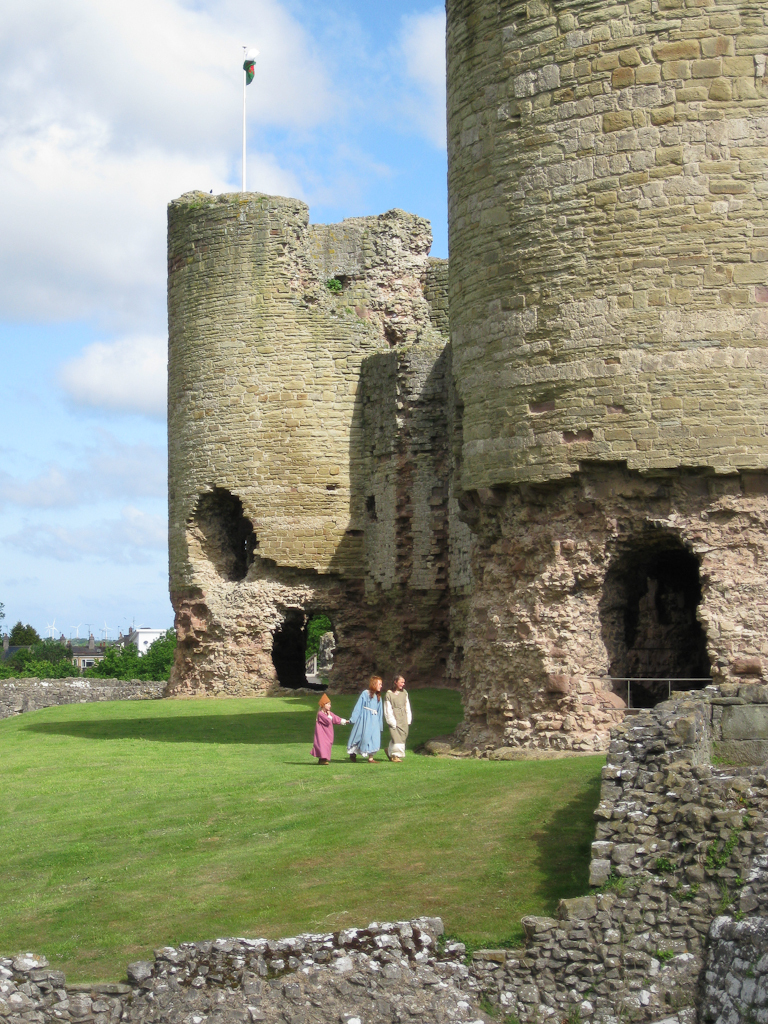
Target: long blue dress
<point x="367" y="721"/>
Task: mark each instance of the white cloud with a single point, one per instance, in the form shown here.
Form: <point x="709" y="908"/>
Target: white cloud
<point x="107" y="111"/>
<point x="114" y="470"/>
<point x="423" y="48"/>
<point x="133" y="538"/>
<point x="127" y="375"/>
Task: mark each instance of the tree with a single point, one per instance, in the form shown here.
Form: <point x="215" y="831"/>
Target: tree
<point x="316" y="627"/>
<point x="2" y="611"/>
<point x="156" y="663"/>
<point x="23" y="636"/>
<point x="126" y="662"/>
<point x="46" y="660"/>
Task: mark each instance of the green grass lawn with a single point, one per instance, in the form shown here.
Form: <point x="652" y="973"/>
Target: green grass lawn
<point x="131" y="825"/>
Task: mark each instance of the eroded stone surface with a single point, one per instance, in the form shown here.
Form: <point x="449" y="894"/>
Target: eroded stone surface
<point x="310" y="438"/>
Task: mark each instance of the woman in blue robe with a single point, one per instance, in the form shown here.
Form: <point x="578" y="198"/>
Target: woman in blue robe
<point x="367" y="721"/>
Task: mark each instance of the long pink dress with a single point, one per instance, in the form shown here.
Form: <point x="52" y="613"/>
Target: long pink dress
<point x="324" y="735"/>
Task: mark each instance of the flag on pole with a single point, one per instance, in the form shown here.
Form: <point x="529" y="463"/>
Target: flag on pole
<point x="248" y="65"/>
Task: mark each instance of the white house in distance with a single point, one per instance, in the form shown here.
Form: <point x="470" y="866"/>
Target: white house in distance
<point x="143" y="638"/>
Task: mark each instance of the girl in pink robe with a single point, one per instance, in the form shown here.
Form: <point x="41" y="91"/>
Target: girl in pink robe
<point x="324" y="731"/>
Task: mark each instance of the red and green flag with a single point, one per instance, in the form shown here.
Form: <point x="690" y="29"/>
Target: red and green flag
<point x="248" y="65"/>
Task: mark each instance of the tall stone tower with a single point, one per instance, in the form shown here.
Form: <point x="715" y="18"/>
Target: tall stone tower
<point x="309" y="444"/>
<point x="608" y="215"/>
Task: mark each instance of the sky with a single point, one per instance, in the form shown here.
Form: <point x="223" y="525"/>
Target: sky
<point x="108" y="110"/>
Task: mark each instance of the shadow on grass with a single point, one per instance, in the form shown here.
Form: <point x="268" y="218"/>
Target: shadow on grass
<point x="277" y="727"/>
<point x="564" y="848"/>
<point x="439" y="711"/>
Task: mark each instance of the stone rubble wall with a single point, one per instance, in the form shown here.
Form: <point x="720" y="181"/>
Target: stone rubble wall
<point x="402" y="972"/>
<point x="734" y="986"/>
<point x="679" y="843"/>
<point x="20" y="695"/>
<point x="545" y="624"/>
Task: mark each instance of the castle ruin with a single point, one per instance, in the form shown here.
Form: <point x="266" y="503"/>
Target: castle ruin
<point x="533" y="472"/>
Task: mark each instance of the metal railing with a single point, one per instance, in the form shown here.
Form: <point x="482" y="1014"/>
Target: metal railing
<point x="669" y="680"/>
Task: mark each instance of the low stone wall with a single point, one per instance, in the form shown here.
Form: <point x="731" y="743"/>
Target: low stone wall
<point x="385" y="972"/>
<point x="19" y="695"/>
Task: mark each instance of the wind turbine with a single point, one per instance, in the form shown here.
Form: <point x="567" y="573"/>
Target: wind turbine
<point x="106" y="630"/>
<point x="77" y="630"/>
<point x="51" y="628"/>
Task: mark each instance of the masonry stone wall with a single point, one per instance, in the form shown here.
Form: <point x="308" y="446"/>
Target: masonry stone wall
<point x="506" y="510"/>
<point x="401" y="971"/>
<point x="609" y="315"/>
<point x="680" y="842"/>
<point x="310" y="460"/>
<point x="20" y="695"/>
<point x="607" y="213"/>
<point x="547" y="622"/>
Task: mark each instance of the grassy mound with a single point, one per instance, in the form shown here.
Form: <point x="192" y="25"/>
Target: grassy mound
<point x="131" y="825"/>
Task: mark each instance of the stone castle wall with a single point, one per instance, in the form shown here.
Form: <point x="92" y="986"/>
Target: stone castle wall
<point x="608" y="182"/>
<point x="20" y="695"/>
<point x="309" y="449"/>
<point x="546" y="630"/>
<point x="574" y="489"/>
<point x="609" y="316"/>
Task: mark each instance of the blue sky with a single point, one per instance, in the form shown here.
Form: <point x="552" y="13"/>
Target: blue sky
<point x="107" y="111"/>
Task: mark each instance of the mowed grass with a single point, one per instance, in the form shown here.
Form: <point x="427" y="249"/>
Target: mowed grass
<point x="131" y="825"/>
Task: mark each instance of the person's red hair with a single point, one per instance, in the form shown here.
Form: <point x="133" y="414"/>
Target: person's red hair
<point x="371" y="688"/>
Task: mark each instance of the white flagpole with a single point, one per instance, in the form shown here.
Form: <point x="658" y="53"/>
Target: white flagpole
<point x="245" y="50"/>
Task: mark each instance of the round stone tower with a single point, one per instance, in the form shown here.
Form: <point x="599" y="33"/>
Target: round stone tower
<point x="608" y="215"/>
<point x="301" y="360"/>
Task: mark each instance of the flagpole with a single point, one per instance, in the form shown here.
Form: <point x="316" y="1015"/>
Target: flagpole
<point x="245" y="76"/>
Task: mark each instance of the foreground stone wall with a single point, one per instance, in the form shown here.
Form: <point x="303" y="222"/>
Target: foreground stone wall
<point x="385" y="972"/>
<point x="734" y="987"/>
<point x="20" y="695"/>
<point x="679" y="843"/>
<point x="310" y="455"/>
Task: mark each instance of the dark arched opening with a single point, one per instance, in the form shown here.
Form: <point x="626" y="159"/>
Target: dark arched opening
<point x="226" y="534"/>
<point x="288" y="644"/>
<point x="302" y="650"/>
<point x="648" y="618"/>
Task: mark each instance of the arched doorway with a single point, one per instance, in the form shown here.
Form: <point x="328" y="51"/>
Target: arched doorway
<point x="648" y="617"/>
<point x="294" y="641"/>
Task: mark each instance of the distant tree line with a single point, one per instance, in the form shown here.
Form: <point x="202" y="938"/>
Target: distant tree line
<point x="51" y="659"/>
<point x="126" y="662"/>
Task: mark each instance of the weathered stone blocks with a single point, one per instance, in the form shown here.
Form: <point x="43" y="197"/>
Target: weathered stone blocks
<point x="311" y="455"/>
<point x="602" y="160"/>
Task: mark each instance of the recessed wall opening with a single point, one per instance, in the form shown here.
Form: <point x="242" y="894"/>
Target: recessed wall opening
<point x="648" y="619"/>
<point x="302" y="650"/>
<point x="288" y="645"/>
<point x="227" y="536"/>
